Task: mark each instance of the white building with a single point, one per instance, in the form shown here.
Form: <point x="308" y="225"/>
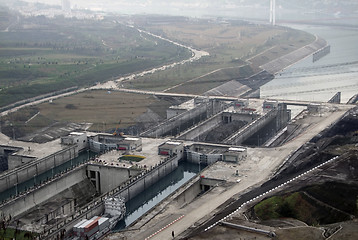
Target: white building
<point x="235" y="154"/>
<point x="76" y="138"/>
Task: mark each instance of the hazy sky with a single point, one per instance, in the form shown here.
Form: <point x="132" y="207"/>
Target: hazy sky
<point x="232" y="8"/>
<point x="191" y="7"/>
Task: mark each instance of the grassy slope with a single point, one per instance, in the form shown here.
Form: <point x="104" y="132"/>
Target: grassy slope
<point x="62" y="53"/>
<point x="229" y="46"/>
<point x="309" y="208"/>
<point x="106" y="110"/>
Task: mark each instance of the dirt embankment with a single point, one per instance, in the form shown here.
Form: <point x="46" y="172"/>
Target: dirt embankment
<point x="328" y="197"/>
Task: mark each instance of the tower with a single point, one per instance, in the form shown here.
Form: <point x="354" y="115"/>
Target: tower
<point x="273" y="12"/>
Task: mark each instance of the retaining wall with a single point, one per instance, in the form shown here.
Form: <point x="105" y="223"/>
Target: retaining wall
<point x="108" y="178"/>
<point x="186" y="119"/>
<point x="127" y="190"/>
<point x="29" y="170"/>
<point x="250" y="129"/>
<point x="189" y="194"/>
<point x="207" y="125"/>
<point x="30" y="199"/>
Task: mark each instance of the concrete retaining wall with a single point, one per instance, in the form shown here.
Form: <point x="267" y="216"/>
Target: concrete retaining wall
<point x="127" y="190"/>
<point x="250" y="129"/>
<point x="189" y="194"/>
<point x="143" y="181"/>
<point x="107" y="178"/>
<point x="43" y="193"/>
<point x="29" y="170"/>
<point x="207" y="125"/>
<point x="336" y="98"/>
<point x="321" y="53"/>
<point x="186" y="119"/>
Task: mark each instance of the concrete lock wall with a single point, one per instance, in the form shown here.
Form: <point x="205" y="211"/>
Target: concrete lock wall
<point x="189" y="194"/>
<point x="127" y="191"/>
<point x="33" y="198"/>
<point x="251" y="128"/>
<point x="177" y="121"/>
<point x="36" y="167"/>
<point x="145" y="180"/>
<point x="248" y="117"/>
<point x="207" y="108"/>
<point x="203" y="127"/>
<point x="110" y="177"/>
<point x="15" y="161"/>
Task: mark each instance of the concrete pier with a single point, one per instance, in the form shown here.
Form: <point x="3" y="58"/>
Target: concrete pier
<point x="321" y="53"/>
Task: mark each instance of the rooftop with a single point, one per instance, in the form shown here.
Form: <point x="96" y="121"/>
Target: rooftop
<point x="254" y="106"/>
<point x="237" y="149"/>
<point x="185" y="105"/>
<point x="31" y="149"/>
<point x="149" y="151"/>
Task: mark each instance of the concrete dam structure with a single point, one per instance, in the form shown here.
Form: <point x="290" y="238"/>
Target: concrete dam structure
<point x="127" y="190"/>
<point x="238" y="121"/>
<point x="32" y="167"/>
<point x="182" y="118"/>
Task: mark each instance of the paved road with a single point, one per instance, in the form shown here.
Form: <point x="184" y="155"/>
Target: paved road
<point x="259" y="169"/>
<point x="196" y="55"/>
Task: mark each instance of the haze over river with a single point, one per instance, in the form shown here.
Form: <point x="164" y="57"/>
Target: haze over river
<point x="319" y="81"/>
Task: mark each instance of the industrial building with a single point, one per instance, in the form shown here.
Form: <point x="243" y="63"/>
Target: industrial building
<point x="55" y="181"/>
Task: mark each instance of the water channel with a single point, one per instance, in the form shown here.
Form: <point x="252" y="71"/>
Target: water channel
<point x="305" y="80"/>
<point x="142" y="203"/>
<point x="320" y="80"/>
<point x="21" y="187"/>
<point x="135" y="207"/>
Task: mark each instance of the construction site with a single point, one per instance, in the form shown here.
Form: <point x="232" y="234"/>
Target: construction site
<point x="225" y="164"/>
<point x="48" y="189"/>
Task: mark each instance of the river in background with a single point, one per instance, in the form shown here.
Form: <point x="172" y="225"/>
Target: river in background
<point x="319" y="81"/>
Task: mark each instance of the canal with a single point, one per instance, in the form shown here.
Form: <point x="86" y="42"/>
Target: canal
<point x="142" y="203"/>
<point x="320" y="80"/>
<point x="36" y="180"/>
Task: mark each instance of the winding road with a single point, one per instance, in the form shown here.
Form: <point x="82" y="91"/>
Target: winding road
<point x="115" y="84"/>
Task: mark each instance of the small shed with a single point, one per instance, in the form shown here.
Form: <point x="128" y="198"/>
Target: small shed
<point x="270" y="105"/>
<point x="235" y="154"/>
<point x="241" y="103"/>
<point x="79" y="138"/>
<point x="314" y="107"/>
<point x="130" y="143"/>
<point x="170" y="148"/>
